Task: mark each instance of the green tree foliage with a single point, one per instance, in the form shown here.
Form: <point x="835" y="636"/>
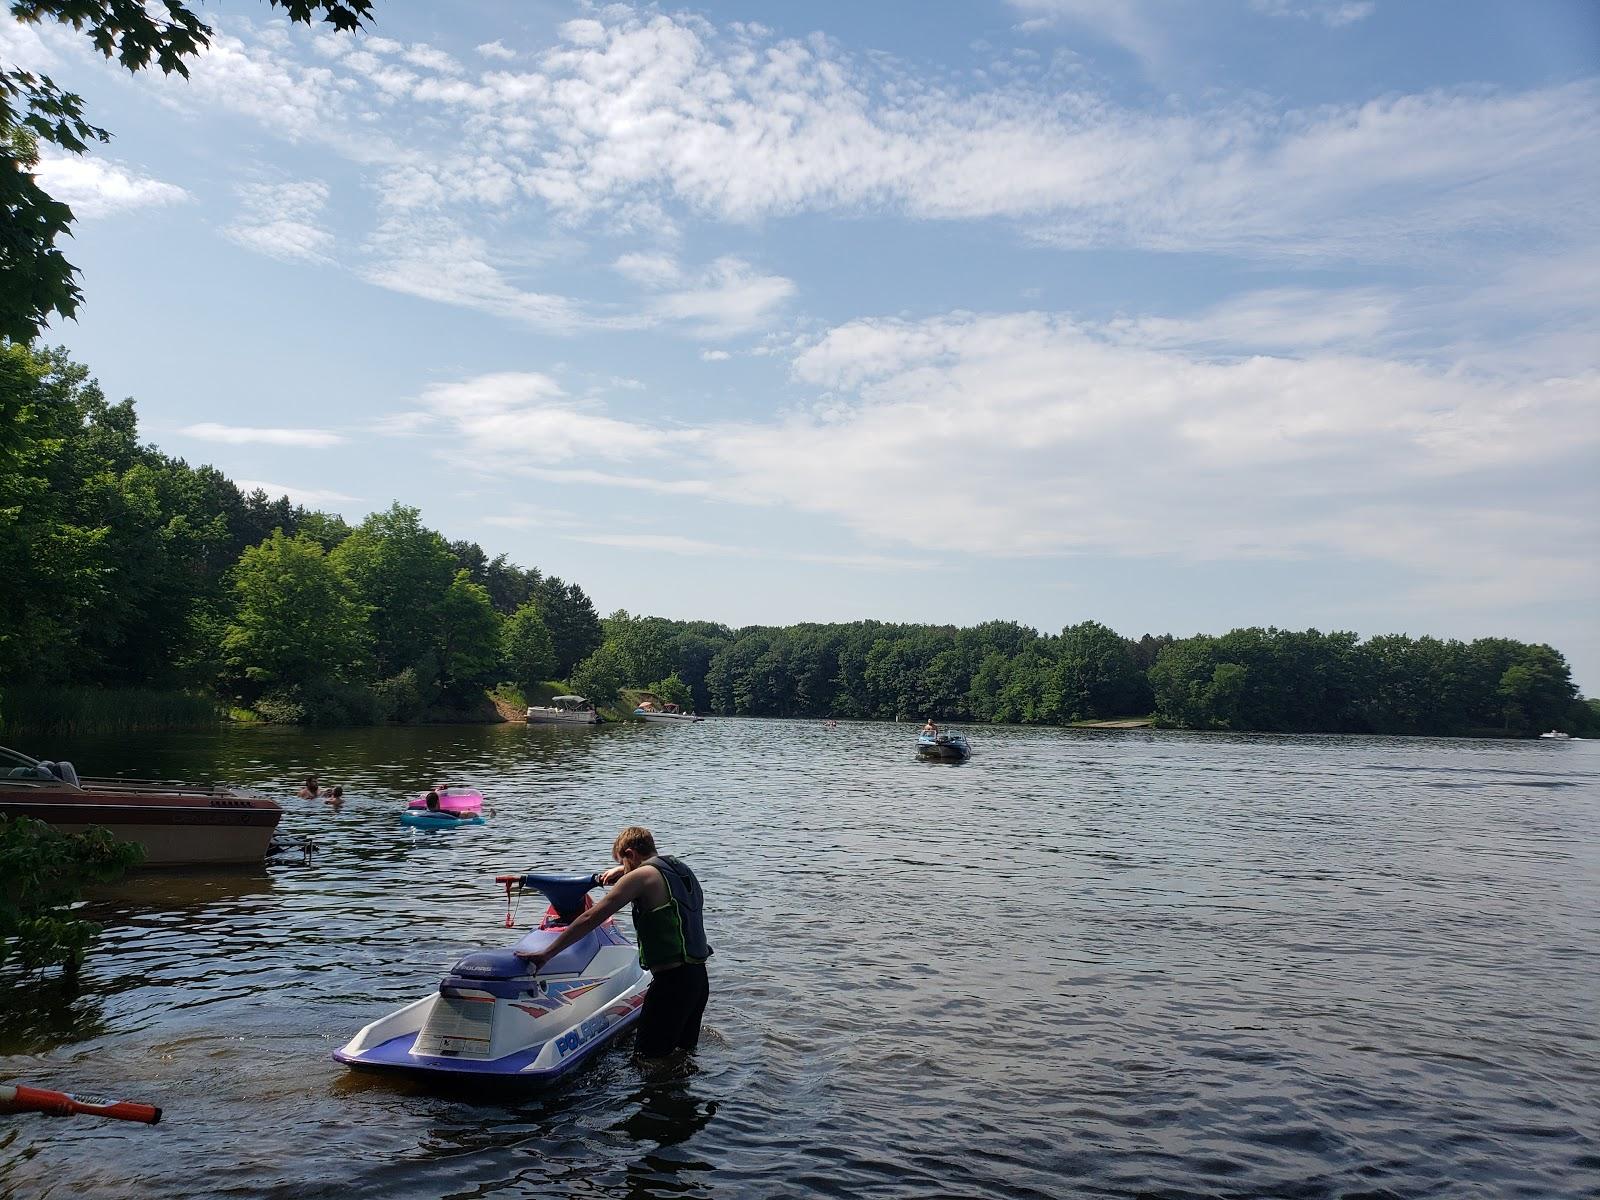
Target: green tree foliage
<point x="672" y="690"/>
<point x="527" y="654"/>
<point x="297" y="622"/>
<point x="1312" y="682"/>
<point x="469" y="640"/>
<point x="42" y="873"/>
<point x="401" y="571"/>
<point x="1094" y="675"/>
<point x="36" y="280"/>
<point x="570" y="616"/>
<point x="601" y="676"/>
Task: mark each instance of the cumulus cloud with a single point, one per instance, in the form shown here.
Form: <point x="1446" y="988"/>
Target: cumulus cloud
<point x="1056" y="436"/>
<point x="307" y="496"/>
<point x="243" y="435"/>
<point x="94" y="188"/>
<point x="280" y="221"/>
<point x="730" y="297"/>
<point x="668" y="543"/>
<point x="527" y="419"/>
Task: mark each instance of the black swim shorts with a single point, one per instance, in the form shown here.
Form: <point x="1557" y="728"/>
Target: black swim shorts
<point x="673" y="1006"/>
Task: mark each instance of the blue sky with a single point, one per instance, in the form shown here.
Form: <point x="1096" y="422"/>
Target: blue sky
<point x="1178" y="315"/>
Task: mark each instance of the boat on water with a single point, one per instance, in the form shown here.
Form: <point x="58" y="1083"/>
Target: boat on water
<point x="949" y="747"/>
<point x="177" y="824"/>
<point x="492" y="1018"/>
<point x="1557" y="736"/>
<point x="564" y="710"/>
<point x="667" y="714"/>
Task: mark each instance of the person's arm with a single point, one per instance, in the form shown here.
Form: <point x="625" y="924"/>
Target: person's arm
<point x="627" y="889"/>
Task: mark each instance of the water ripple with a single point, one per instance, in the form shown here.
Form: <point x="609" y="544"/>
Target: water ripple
<point x="1086" y="964"/>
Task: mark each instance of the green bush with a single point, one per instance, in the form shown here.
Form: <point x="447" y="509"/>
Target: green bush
<point x="281" y="708"/>
<point x="42" y="873"/>
<point x="399" y="697"/>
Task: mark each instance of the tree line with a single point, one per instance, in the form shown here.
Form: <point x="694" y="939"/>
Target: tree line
<point x="131" y="568"/>
<point x="1003" y="672"/>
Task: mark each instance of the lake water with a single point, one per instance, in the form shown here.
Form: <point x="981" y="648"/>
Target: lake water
<point x="1082" y="964"/>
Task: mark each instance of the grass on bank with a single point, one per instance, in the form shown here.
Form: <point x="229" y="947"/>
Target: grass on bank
<point x="66" y="711"/>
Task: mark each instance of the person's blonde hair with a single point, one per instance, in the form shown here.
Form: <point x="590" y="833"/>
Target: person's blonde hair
<point x="634" y="837"/>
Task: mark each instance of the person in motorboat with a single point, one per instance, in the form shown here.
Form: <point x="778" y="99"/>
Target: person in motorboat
<point x="929" y="729"/>
<point x="668" y="920"/>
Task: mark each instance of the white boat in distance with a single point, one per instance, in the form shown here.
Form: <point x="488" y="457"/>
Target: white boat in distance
<point x="670" y="715"/>
<point x="1557" y="736"/>
<point x="564" y="710"/>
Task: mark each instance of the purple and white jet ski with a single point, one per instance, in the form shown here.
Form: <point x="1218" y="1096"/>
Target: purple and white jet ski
<point x="493" y="1019"/>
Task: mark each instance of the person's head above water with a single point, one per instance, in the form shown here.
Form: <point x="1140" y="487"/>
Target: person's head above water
<point x="432" y="801"/>
<point x="633" y="846"/>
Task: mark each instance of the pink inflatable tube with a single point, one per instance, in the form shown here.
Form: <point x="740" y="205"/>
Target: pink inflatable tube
<point x="466" y="800"/>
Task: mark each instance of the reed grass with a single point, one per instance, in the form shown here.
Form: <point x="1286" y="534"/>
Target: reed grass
<point x="26" y="709"/>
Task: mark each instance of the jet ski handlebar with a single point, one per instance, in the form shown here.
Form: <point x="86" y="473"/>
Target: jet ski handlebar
<point x="566" y="893"/>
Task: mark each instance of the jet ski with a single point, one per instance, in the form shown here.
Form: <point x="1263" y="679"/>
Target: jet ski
<point x="493" y="1019"/>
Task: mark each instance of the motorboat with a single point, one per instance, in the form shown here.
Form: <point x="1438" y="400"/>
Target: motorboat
<point x="492" y="1018"/>
<point x="177" y="824"/>
<point x="1557" y="736"/>
<point x="949" y="747"/>
<point x="668" y="714"/>
<point x="564" y="710"/>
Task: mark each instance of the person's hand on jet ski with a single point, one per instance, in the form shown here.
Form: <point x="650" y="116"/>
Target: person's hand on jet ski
<point x="625" y="886"/>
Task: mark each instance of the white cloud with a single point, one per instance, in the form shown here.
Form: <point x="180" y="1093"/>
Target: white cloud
<point x="280" y="221"/>
<point x="525" y="418"/>
<point x="100" y="189"/>
<point x="729" y="298"/>
<point x="652" y="270"/>
<point x="497" y="50"/>
<point x="667" y="543"/>
<point x="242" y="435"/>
<point x="306" y="496"/>
<point x="1032" y="433"/>
<point x="436" y="260"/>
<point x="1332" y="13"/>
<point x="1275" y="319"/>
<point x="714" y="356"/>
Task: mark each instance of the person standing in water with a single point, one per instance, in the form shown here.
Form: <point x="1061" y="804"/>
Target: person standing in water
<point x="668" y="920"/>
<point x="309" y="790"/>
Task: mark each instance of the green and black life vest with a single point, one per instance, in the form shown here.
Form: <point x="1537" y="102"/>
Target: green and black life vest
<point x="675" y="932"/>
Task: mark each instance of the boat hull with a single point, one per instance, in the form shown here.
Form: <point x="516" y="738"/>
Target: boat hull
<point x="657" y="718"/>
<point x="174" y="831"/>
<point x="560" y="716"/>
<point x="954" y="749"/>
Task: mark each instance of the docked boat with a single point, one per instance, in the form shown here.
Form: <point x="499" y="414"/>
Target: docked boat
<point x="668" y="714"/>
<point x="177" y="824"/>
<point x="564" y="710"/>
<point x="494" y="1018"/>
<point x="950" y="747"/>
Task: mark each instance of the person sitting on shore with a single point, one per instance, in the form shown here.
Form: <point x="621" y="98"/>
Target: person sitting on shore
<point x="310" y="789"/>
